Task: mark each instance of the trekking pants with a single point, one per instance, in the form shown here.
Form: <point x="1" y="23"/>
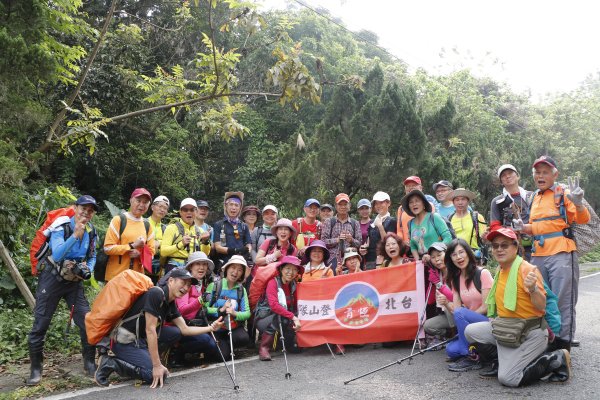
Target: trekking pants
<point x="511" y="361"/>
<point x="561" y="273"/>
<point x="49" y="292"/>
<point x="462" y="318"/>
<point x="137" y="353"/>
<point x="440" y="324"/>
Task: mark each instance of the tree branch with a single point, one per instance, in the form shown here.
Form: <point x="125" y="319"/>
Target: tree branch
<point x="212" y="45"/>
<point x="61" y="115"/>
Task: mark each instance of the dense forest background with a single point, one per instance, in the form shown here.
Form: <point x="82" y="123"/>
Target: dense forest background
<point x="197" y="98"/>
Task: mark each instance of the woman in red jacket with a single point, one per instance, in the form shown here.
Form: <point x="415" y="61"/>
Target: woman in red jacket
<point x="280" y="304"/>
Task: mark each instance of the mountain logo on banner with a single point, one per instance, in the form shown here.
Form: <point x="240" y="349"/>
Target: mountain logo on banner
<point x="356" y="305"/>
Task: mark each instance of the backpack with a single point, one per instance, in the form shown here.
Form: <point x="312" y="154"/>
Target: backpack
<point x="218" y="288"/>
<point x="484" y="251"/>
<point x="259" y="233"/>
<point x="586" y="236"/>
<point x="102" y="257"/>
<point x="113" y="302"/>
<point x="432" y="222"/>
<point x="40" y="245"/>
<point x="259" y="283"/>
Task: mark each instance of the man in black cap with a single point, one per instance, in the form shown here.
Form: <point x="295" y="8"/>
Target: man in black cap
<point x="136" y="348"/>
<point x="71" y="260"/>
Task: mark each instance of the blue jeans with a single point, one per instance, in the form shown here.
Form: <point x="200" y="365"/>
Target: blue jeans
<point x="139" y="355"/>
<point x="462" y="318"/>
<point x="202" y="343"/>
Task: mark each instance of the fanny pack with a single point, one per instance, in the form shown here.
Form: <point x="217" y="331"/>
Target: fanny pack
<point x="511" y="332"/>
<point x="63" y="270"/>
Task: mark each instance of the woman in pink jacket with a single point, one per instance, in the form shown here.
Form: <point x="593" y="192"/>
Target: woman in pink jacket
<point x="190" y="308"/>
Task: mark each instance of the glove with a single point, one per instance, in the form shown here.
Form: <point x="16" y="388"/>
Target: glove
<point x="234" y="250"/>
<point x="434" y="277"/>
<point x="244" y="251"/>
<point x="517" y="225"/>
<point x="576" y="195"/>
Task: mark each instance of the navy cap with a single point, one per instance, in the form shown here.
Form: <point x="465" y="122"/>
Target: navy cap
<point x="87" y="199"/>
<point x="202" y="203"/>
<point x="310" y="202"/>
<point x="180" y="273"/>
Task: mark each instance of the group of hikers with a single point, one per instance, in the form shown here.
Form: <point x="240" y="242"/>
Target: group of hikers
<point x="203" y="275"/>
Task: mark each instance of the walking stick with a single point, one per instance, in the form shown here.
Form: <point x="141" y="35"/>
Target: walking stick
<point x="235" y="385"/>
<point x="410" y="357"/>
<point x="231" y="344"/>
<point x="331" y="351"/>
<point x="287" y="369"/>
<point x="422" y="320"/>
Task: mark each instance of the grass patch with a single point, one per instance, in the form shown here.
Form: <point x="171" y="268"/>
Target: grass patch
<point x="592" y="256"/>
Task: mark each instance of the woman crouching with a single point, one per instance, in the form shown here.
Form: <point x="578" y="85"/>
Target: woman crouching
<point x="278" y="307"/>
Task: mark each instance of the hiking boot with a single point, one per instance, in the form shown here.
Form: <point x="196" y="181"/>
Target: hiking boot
<point x="436" y="344"/>
<point x="37" y="359"/>
<point x="266" y="342"/>
<point x="107" y="365"/>
<point x="339" y="349"/>
<point x="563" y="372"/>
<point x="491" y="372"/>
<point x="176" y="359"/>
<point x="465" y="364"/>
<point x="89" y="359"/>
<point x="545" y="364"/>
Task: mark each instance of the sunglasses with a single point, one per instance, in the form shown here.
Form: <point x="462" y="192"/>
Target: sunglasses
<point x="187" y="210"/>
<point x="502" y="246"/>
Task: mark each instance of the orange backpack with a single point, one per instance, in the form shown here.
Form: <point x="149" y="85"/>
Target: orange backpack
<point x="113" y="302"/>
<point x="259" y="283"/>
<point x="39" y="246"/>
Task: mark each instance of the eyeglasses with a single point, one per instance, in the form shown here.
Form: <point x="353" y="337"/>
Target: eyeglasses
<point x="459" y="253"/>
<point x="187" y="210"/>
<point x="503" y="246"/>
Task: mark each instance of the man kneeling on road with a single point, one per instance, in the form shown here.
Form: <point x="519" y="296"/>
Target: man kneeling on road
<point x="140" y="358"/>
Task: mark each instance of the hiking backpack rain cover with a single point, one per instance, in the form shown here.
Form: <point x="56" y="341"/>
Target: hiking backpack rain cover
<point x="40" y="246"/>
<point x="259" y="283"/>
<point x="113" y="302"/>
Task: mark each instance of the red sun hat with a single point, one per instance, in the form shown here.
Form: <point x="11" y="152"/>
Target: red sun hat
<point x="414" y="179"/>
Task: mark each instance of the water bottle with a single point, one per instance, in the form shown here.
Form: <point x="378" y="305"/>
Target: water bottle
<point x="222" y="238"/>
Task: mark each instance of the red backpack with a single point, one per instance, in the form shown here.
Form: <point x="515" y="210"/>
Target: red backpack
<point x="259" y="283"/>
<point x="40" y="246"/>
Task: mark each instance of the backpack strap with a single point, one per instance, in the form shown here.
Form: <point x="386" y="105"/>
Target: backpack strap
<point x="432" y="221"/>
<point x="216" y="292"/>
<point x="259" y="232"/>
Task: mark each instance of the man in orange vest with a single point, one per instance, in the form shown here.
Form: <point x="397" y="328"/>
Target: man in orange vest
<point x="553" y="210"/>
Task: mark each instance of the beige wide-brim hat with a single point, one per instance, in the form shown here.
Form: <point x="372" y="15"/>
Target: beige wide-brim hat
<point x="236" y="259"/>
<point x="199" y="256"/>
<point x="461" y="192"/>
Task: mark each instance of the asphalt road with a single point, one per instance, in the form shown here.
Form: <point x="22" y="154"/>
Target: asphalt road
<point x="316" y="375"/>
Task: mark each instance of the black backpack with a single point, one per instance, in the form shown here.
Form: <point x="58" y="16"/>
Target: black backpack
<point x="102" y="257"/>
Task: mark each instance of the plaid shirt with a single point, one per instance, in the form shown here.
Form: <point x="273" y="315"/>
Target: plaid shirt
<point x="331" y="232"/>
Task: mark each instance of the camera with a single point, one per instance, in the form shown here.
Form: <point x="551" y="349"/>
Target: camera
<point x="81" y="270"/>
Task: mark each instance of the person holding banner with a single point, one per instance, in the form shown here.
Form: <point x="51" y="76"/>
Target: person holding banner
<point x="470" y="287"/>
<point x="350" y="263"/>
<point x="313" y="260"/>
<point x="426" y="227"/>
<point x="393" y="250"/>
<point x="279" y="305"/>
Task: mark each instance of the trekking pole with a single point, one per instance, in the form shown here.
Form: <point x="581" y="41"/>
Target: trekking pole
<point x="68" y="328"/>
<point x="235" y="385"/>
<point x="422" y="320"/>
<point x="409" y="357"/>
<point x="287" y="369"/>
<point x="231" y="344"/>
<point x="331" y="351"/>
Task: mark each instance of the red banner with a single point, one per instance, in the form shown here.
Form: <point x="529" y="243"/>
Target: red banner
<point x="382" y="305"/>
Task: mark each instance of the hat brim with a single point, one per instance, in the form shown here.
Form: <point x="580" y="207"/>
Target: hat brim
<point x="299" y="266"/>
<point x="407" y="197"/>
<point x="462" y="193"/>
<point x="211" y="264"/>
<point x="495" y="233"/>
<point x="94" y="205"/>
<point x="308" y="249"/>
